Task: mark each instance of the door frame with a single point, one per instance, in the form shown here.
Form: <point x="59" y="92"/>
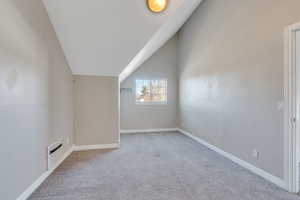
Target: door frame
<point x="291" y="116"/>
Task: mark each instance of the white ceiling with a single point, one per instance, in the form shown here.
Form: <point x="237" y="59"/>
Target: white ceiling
<point x="102" y="37"/>
<point x="164" y="33"/>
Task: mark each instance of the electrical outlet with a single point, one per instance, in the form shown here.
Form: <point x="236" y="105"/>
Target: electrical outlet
<point x="68" y="141"/>
<point x="255" y="154"/>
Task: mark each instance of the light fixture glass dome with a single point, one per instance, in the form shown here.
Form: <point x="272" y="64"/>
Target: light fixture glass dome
<point x="157" y="5"/>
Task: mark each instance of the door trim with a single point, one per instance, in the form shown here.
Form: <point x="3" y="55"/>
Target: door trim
<point x="291" y="118"/>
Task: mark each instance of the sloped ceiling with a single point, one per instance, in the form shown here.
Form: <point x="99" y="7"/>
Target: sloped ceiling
<point x="102" y="37"/>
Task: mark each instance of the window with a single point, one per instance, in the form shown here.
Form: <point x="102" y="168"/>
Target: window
<point x="151" y="91"/>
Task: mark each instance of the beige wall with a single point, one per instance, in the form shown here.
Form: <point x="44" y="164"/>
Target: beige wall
<point x="231" y="77"/>
<point x="36" y="95"/>
<point x="162" y="65"/>
<point x="96" y="110"/>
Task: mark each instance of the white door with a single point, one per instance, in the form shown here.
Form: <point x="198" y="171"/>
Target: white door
<point x="298" y="86"/>
<point x="298" y="50"/>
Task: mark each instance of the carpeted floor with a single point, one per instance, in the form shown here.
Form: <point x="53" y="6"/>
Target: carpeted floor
<point x="165" y="166"/>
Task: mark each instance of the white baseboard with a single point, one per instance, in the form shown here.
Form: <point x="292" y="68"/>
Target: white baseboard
<point x="269" y="177"/>
<point x="279" y="182"/>
<point x="148" y="130"/>
<point x="26" y="194"/>
<point x="93" y="147"/>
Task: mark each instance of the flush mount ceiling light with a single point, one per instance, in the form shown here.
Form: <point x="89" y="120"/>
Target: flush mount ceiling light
<point x="157" y="6"/>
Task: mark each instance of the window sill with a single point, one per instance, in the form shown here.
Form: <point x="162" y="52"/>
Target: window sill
<point x="151" y="103"/>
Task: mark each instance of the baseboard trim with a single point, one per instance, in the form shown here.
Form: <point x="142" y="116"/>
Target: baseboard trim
<point x="148" y="130"/>
<point x="269" y="177"/>
<point x="26" y="194"/>
<point x="98" y="146"/>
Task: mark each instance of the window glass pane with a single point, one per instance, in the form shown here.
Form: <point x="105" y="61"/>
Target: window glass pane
<point x="142" y="90"/>
<point x="163" y="90"/>
<point x="158" y="90"/>
<point x="151" y="91"/>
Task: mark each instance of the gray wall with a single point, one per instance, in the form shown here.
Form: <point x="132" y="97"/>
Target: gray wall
<point x="96" y="110"/>
<point x="231" y="77"/>
<point x="36" y="94"/>
<point x="163" y="64"/>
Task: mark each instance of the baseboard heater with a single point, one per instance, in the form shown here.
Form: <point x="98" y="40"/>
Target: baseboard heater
<point x="54" y="154"/>
<point x="55" y="149"/>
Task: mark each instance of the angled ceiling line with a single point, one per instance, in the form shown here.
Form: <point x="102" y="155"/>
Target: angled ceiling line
<point x="165" y="32"/>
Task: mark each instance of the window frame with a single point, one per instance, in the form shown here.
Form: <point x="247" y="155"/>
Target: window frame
<point x="152" y="102"/>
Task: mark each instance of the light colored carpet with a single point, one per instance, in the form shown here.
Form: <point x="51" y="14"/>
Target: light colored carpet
<point x="165" y="166"/>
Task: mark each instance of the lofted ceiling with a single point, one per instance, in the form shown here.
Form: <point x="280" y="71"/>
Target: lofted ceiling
<point x="103" y="37"/>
